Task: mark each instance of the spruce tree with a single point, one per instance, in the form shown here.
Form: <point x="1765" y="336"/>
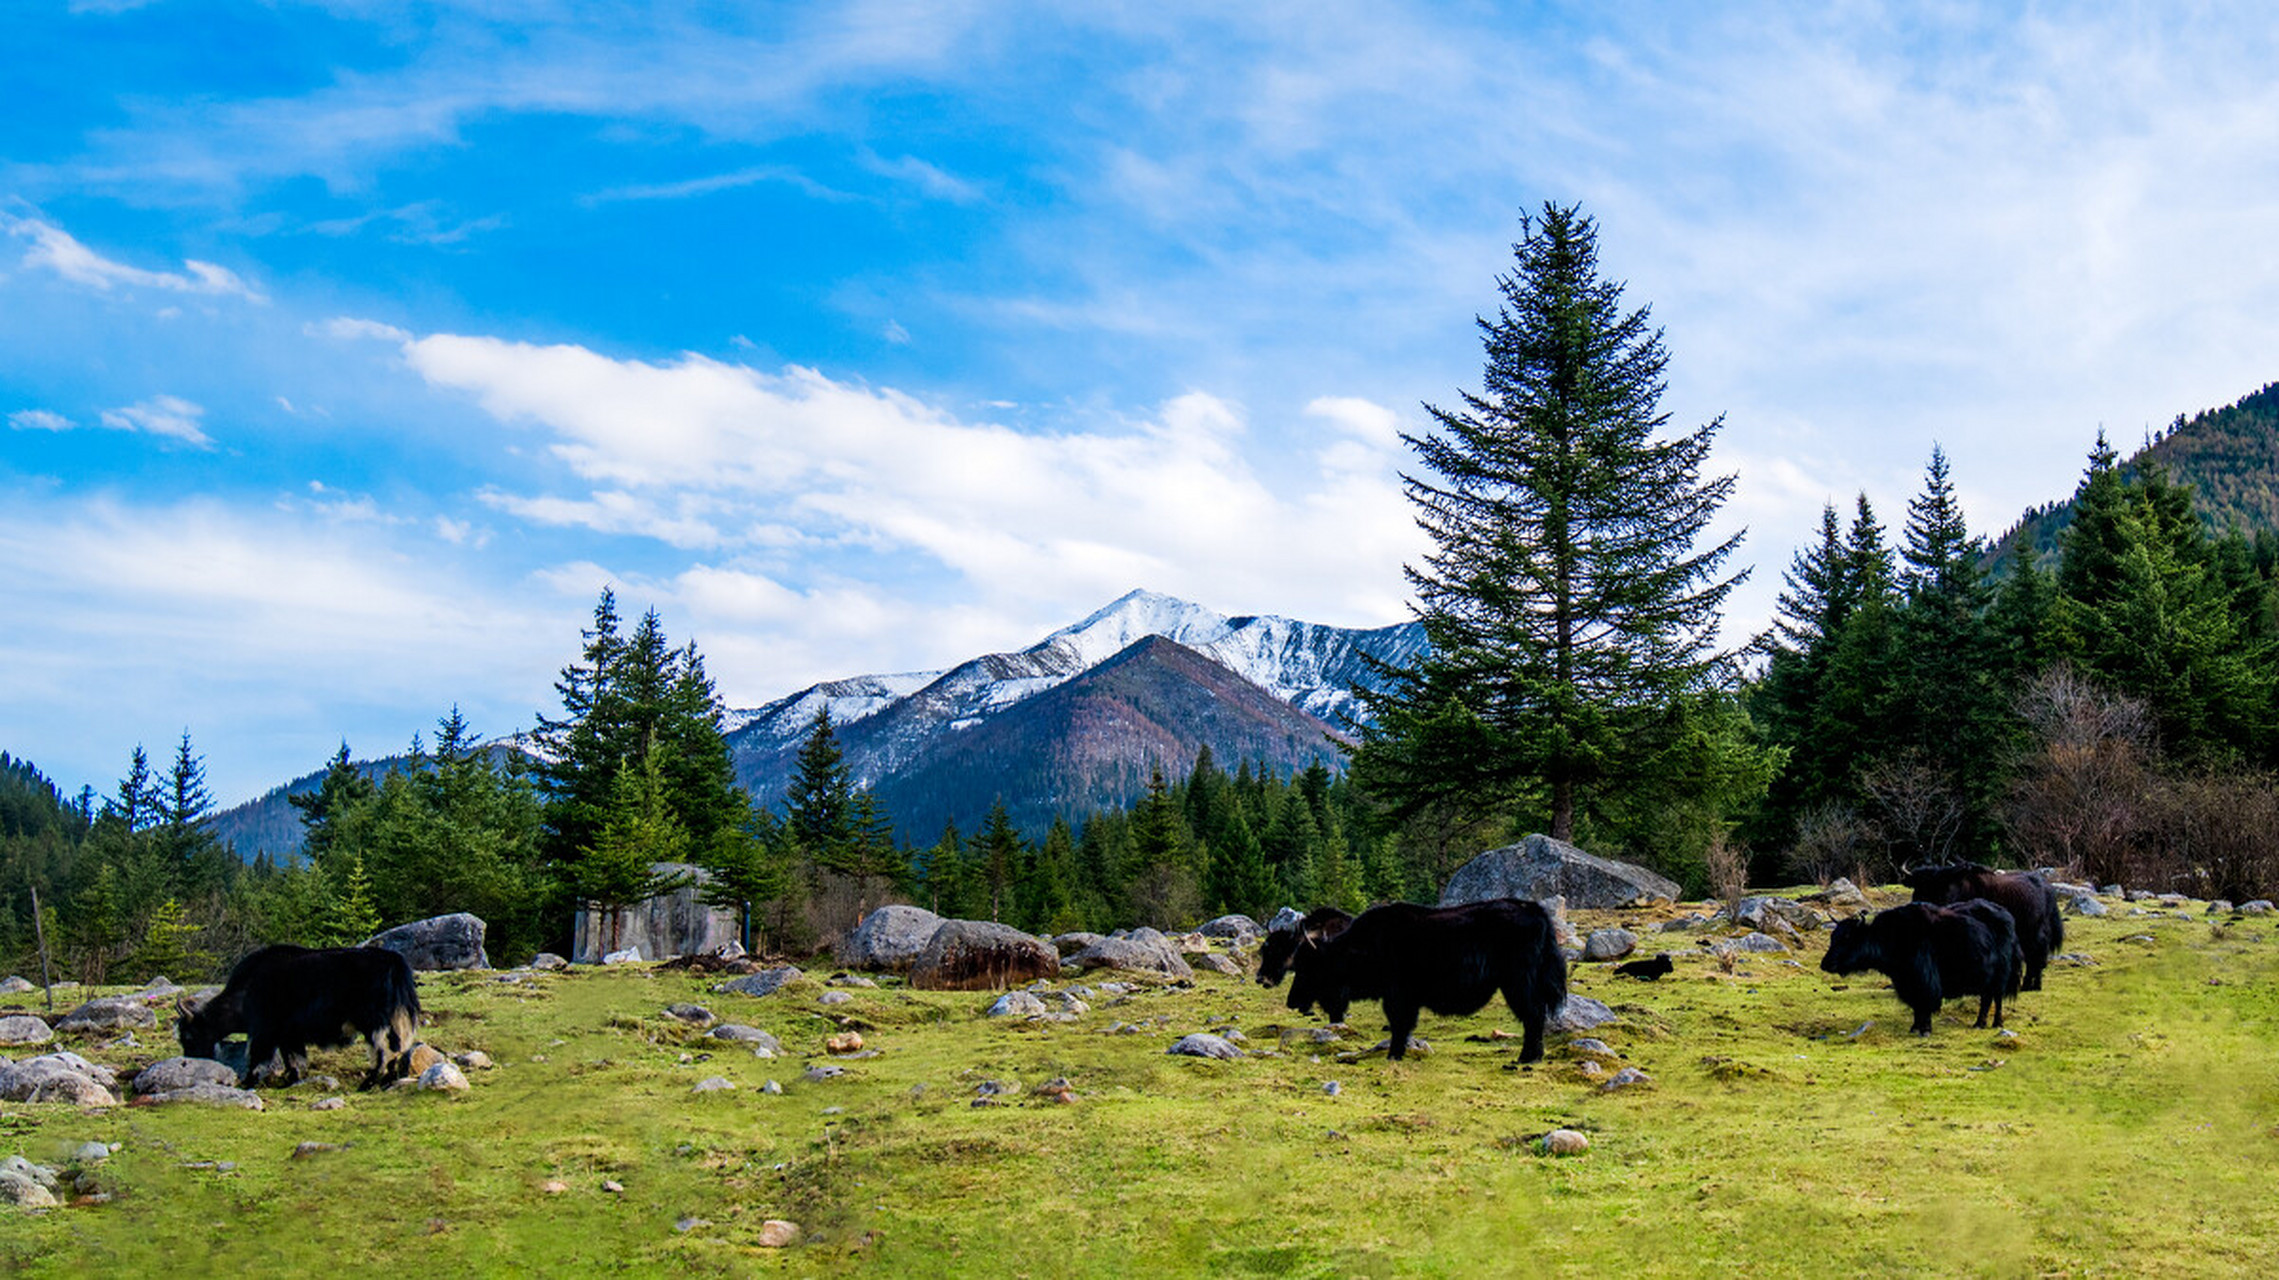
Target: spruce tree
<point x="1565" y="600"/>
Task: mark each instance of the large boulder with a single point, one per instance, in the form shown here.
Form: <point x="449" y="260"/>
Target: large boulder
<point x="671" y="924"/>
<point x="982" y="955"/>
<point x="59" y="1077"/>
<point x="1540" y="867"/>
<point x="1140" y="950"/>
<point x="454" y="941"/>
<point x="168" y="1075"/>
<point x="23" y="1028"/>
<point x="1235" y="928"/>
<point x="890" y="938"/>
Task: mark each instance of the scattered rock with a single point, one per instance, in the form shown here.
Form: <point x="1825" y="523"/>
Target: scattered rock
<point x="1286" y="918"/>
<point x="1236" y="927"/>
<point x="690" y="1224"/>
<point x="443" y="1077"/>
<point x="774" y="1088"/>
<point x="1587" y="1045"/>
<point x="24" y="1192"/>
<point x="1778" y="915"/>
<point x="713" y="1084"/>
<point x="1609" y="944"/>
<point x="1417" y="1045"/>
<point x="765" y="982"/>
<point x="169" y="1074"/>
<point x="630" y="955"/>
<point x="553" y="1186"/>
<point x="473" y="1060"/>
<point x="1759" y="942"/>
<point x="1564" y="1142"/>
<point x="205" y="1094"/>
<point x="827" y="1071"/>
<point x="58" y="1077"/>
<point x="549" y="962"/>
<point x="1219" y="964"/>
<point x="1016" y="1004"/>
<point x="695" y="1014"/>
<point x="2258" y="907"/>
<point x="24" y="1028"/>
<point x="329" y="1104"/>
<point x="2074" y="959"/>
<point x="452" y="941"/>
<point x="1332" y="1088"/>
<point x="1579" y="1013"/>
<point x="613" y="1186"/>
<point x="741" y="1034"/>
<point x="1141" y="951"/>
<point x="1202" y="1044"/>
<point x="2084" y="905"/>
<point x="1841" y="895"/>
<point x="1540" y="867"/>
<point x="776" y="1233"/>
<point x="15" y="984"/>
<point x="845" y="1042"/>
<point x="307" y="1149"/>
<point x="830" y="998"/>
<point x="423" y="1056"/>
<point x="855" y="980"/>
<point x="109" y="1013"/>
<point x="1625" y="1078"/>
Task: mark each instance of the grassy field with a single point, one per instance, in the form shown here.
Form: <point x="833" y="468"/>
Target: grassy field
<point x="2128" y="1129"/>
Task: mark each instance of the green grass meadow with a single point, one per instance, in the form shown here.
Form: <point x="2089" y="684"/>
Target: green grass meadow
<point x="2131" y="1128"/>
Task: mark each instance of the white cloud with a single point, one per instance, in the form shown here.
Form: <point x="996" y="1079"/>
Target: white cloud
<point x="350" y="328"/>
<point x="169" y="416"/>
<point x="39" y="420"/>
<point x="53" y="248"/>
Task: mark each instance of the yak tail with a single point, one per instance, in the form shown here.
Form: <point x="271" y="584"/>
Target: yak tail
<point x="403" y="1021"/>
<point x="1548" y="973"/>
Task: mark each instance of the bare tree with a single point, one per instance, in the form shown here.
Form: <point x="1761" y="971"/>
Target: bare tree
<point x="1832" y="840"/>
<point x="1727" y="865"/>
<point x="1918" y="809"/>
<point x="2081" y="796"/>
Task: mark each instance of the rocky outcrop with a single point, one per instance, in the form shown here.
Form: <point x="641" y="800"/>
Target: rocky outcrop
<point x="109" y="1013"/>
<point x="660" y="928"/>
<point x="437" y="943"/>
<point x="1140" y="950"/>
<point x="1540" y="867"/>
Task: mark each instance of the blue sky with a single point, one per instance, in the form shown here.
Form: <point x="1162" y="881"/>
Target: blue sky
<point x="346" y="350"/>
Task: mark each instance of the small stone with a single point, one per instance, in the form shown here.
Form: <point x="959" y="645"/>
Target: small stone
<point x="554" y="1186"/>
<point x="424" y="1056"/>
<point x="846" y="1042"/>
<point x="24" y="1193"/>
<point x="814" y="1075"/>
<point x="776" y="1233"/>
<point x="1016" y="1004"/>
<point x="1609" y="944"/>
<point x="91" y="1153"/>
<point x="834" y="998"/>
<point x="1332" y="1088"/>
<point x="329" y="1104"/>
<point x="613" y="1186"/>
<point x="686" y="1225"/>
<point x="630" y="955"/>
<point x="473" y="1060"/>
<point x="1204" y="1045"/>
<point x="1625" y="1078"/>
<point x="548" y="961"/>
<point x="1565" y="1142"/>
<point x="695" y="1014"/>
<point x="307" y="1149"/>
<point x="713" y="1084"/>
<point x="771" y="1087"/>
<point x="443" y="1077"/>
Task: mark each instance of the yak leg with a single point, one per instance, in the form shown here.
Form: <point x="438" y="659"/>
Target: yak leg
<point x="1531" y="1021"/>
<point x="1985" y="1003"/>
<point x="1400" y="1017"/>
<point x="258" y="1048"/>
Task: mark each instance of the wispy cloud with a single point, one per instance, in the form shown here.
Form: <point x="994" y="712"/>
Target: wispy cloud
<point x="39" y="420"/>
<point x="52" y="248"/>
<point x="171" y="417"/>
<point x="718" y="182"/>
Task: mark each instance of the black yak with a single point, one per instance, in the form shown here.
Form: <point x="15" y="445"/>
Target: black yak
<point x="286" y="998"/>
<point x="1932" y="954"/>
<point x="1646" y="970"/>
<point x="2026" y="895"/>
<point x="1451" y="960"/>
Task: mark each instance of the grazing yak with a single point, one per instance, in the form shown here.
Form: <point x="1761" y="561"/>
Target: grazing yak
<point x="286" y="998"/>
<point x="1281" y="948"/>
<point x="1932" y="954"/>
<point x="1451" y="960"/>
<point x="2025" y="894"/>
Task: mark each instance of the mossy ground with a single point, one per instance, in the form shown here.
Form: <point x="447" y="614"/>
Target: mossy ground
<point x="2127" y="1130"/>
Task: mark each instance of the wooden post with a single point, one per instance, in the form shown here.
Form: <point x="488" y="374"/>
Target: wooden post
<point x="39" y="928"/>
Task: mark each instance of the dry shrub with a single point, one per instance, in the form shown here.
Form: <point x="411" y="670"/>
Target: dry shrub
<point x="1727" y="867"/>
<point x="2083" y="797"/>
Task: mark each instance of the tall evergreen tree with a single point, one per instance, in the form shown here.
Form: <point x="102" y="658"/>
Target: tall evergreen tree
<point x="1953" y="712"/>
<point x="1565" y="599"/>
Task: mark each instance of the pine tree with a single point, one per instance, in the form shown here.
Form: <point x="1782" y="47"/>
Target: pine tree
<point x="338" y="793"/>
<point x="1566" y="603"/>
<point x="165" y="950"/>
<point x="639" y="832"/>
<point x="820" y="800"/>
<point x="1952" y="712"/>
<point x="999" y="857"/>
<point x="349" y="915"/>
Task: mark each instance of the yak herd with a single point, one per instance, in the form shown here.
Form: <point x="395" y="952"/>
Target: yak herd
<point x="1971" y="931"/>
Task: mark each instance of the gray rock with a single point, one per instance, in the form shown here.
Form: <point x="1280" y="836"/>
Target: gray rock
<point x="437" y="943"/>
<point x="1589" y="1045"/>
<point x="169" y="1074"/>
<point x="443" y="1077"/>
<point x="890" y="938"/>
<point x="854" y="980"/>
<point x="1140" y="951"/>
<point x="690" y="1013"/>
<point x="742" y="1034"/>
<point x="1579" y="1013"/>
<point x="1625" y="1078"/>
<point x="713" y="1084"/>
<point x="24" y="1192"/>
<point x="1216" y="963"/>
<point x="1540" y="867"/>
<point x="205" y="1093"/>
<point x="1016" y="1004"/>
<point x="1840" y="895"/>
<point x="548" y="961"/>
<point x="1068" y="944"/>
<point x="2219" y="907"/>
<point x="15" y="984"/>
<point x="38" y="1173"/>
<point x="2084" y="905"/>
<point x="1609" y="944"/>
<point x="630" y="955"/>
<point x="1759" y="942"/>
<point x="674" y="923"/>
<point x="764" y="983"/>
<point x="1203" y="1044"/>
<point x="23" y="1028"/>
<point x="829" y="998"/>
<point x="815" y="1075"/>
<point x="1565" y="1142"/>
<point x="2258" y="907"/>
<point x="771" y="1087"/>
<point x="982" y="955"/>
<point x="110" y="1013"/>
<point x="1286" y="918"/>
<point x="1763" y="912"/>
<point x="1234" y="926"/>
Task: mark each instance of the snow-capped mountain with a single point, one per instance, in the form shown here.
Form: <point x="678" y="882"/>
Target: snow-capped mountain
<point x="1308" y="665"/>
